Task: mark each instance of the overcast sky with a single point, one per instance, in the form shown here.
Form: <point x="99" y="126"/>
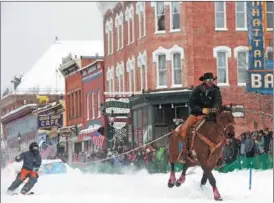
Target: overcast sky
<point x="28" y="29"/>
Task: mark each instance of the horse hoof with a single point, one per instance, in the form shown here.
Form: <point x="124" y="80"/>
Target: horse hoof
<point x="178" y="184"/>
<point x="170" y="184"/>
<point x="218" y="199"/>
<point x="180" y="181"/>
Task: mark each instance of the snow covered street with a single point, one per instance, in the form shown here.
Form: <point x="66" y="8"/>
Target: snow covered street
<point x="141" y="187"/>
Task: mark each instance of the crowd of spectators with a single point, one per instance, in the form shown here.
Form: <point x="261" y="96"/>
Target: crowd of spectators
<point x="248" y="144"/>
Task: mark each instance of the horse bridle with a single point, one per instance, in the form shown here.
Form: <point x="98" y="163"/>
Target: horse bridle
<point x="225" y="128"/>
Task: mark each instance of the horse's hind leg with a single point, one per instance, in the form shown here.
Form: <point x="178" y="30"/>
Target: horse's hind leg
<point x="172" y="178"/>
<point x="204" y="179"/>
<point x="212" y="182"/>
<point x="182" y="178"/>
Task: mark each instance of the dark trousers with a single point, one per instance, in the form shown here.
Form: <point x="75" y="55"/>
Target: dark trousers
<point x="21" y="177"/>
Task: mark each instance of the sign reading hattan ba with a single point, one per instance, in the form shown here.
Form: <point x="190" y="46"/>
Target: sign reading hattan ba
<point x="50" y="121"/>
<point x="260" y="76"/>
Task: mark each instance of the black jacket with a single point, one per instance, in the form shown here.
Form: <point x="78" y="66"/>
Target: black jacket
<point x="31" y="161"/>
<point x="202" y="98"/>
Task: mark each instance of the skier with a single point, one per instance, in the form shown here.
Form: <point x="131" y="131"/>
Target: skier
<point x="31" y="164"/>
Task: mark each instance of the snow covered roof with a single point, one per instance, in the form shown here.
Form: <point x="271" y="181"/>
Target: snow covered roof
<point x="44" y="77"/>
<point x="18" y="109"/>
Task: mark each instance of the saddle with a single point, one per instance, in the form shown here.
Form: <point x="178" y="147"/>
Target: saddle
<point x="188" y="153"/>
<point x="187" y="150"/>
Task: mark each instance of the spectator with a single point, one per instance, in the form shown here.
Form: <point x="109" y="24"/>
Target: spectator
<point x="259" y="142"/>
<point x="229" y="152"/>
<point x="267" y="135"/>
<point x="249" y="145"/>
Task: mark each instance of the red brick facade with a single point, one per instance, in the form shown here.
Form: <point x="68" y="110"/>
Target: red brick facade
<point x="197" y="41"/>
<point x="73" y="92"/>
<point x="93" y="92"/>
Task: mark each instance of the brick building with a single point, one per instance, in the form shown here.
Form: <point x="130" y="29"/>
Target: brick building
<point x="158" y="50"/>
<point x="93" y="99"/>
<point x="71" y="69"/>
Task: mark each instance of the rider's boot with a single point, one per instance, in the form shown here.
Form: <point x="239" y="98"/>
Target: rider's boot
<point x="172" y="179"/>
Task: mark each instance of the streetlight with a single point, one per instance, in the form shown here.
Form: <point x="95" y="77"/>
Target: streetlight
<point x="19" y="137"/>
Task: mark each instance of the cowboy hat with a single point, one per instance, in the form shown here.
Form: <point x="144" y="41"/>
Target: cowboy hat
<point x="207" y="76"/>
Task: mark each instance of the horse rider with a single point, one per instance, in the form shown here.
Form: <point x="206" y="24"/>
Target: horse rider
<point x="205" y="98"/>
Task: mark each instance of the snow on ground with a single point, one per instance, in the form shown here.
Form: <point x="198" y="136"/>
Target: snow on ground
<point x="141" y="188"/>
<point x="43" y="77"/>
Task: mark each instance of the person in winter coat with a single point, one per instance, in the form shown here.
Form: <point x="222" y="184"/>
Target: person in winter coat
<point x="31" y="164"/>
<point x="249" y="146"/>
<point x="205" y="98"/>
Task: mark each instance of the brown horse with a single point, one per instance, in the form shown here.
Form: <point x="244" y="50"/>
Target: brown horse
<point x="206" y="140"/>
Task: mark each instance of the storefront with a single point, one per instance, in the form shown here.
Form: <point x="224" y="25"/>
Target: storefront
<point x="49" y="119"/>
<point x="89" y="140"/>
<point x="155" y="113"/>
<point x="118" y="122"/>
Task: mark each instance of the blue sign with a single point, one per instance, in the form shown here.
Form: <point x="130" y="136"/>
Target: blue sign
<point x="54" y="168"/>
<point x="260" y="76"/>
<point x="50" y="121"/>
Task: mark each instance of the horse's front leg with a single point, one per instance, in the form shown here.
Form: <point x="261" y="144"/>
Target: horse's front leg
<point x="203" y="180"/>
<point x="212" y="182"/>
<point x="172" y="177"/>
<point x="182" y="178"/>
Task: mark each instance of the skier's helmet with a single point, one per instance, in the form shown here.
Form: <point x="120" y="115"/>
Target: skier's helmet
<point x="33" y="147"/>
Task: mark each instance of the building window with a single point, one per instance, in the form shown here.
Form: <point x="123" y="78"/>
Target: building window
<point x="73" y="104"/>
<point x="142" y="69"/>
<point x="220" y="15"/>
<point x="241" y="54"/>
<point x="118" y="75"/>
<point x="99" y="103"/>
<point x="242" y="64"/>
<point x="222" y="69"/>
<point x="119" y="30"/>
<point x="117" y="26"/>
<point x="160" y="16"/>
<point x="140" y="11"/>
<point x="93" y="105"/>
<point x="241" y="15"/>
<point x="131" y="75"/>
<point x="175" y="15"/>
<point x="130" y="23"/>
<point x="162" y="70"/>
<point x="176" y="69"/>
<point x="142" y="64"/>
<point x="269" y="15"/>
<point x="80" y="102"/>
<point x="222" y="53"/>
<point x="130" y="80"/>
<point x="109" y="33"/>
<point x="87" y="106"/>
<point x="110" y="80"/>
<point x="76" y="104"/>
<point x="109" y="86"/>
<point x="69" y="107"/>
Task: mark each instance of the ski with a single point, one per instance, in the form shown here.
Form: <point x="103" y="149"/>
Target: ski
<point x="29" y="193"/>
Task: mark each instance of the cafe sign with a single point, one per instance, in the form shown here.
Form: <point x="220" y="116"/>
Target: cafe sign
<point x="50" y="121"/>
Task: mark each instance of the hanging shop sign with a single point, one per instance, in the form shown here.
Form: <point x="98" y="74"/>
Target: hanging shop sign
<point x="260" y="78"/>
<point x="50" y="121"/>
